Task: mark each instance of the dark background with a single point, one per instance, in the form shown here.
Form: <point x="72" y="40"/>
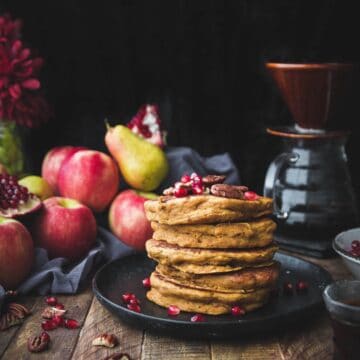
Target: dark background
<point x="201" y="61"/>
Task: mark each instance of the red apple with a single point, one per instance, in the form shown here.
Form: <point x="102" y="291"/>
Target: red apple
<point x="127" y="218"/>
<point x="16" y="253"/>
<point x="90" y="177"/>
<point x="53" y="161"/>
<point x="65" y="228"/>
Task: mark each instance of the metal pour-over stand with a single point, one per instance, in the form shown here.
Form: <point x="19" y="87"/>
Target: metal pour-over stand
<point x="310" y="182"/>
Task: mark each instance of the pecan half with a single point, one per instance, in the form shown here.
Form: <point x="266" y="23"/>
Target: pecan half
<point x="118" y="356"/>
<point x="49" y="312"/>
<point x="213" y="179"/>
<point x="38" y="343"/>
<point x="228" y="191"/>
<point x="13" y="314"/>
<point x="108" y="340"/>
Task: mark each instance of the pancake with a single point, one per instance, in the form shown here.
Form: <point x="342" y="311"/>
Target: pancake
<point x="165" y="293"/>
<point x="257" y="233"/>
<point x="245" y="280"/>
<point x="169" y="254"/>
<point x="205" y="209"/>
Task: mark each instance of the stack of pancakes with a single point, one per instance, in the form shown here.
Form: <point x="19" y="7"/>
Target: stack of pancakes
<point x="213" y="253"/>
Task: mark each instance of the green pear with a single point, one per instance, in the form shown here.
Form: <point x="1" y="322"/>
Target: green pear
<point x="142" y="164"/>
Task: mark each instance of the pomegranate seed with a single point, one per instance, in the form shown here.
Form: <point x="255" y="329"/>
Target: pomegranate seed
<point x="45" y="336"/>
<point x="134" y="307"/>
<point x="197" y="189"/>
<point x="251" y="195"/>
<point x="355" y="244"/>
<point x="127" y="297"/>
<point x="60" y="306"/>
<point x="288" y="288"/>
<point x="58" y="320"/>
<point x="71" y="324"/>
<point x="134" y="302"/>
<point x="302" y="286"/>
<point x="173" y="310"/>
<point x="49" y="325"/>
<point x="196" y="179"/>
<point x="180" y="192"/>
<point x="197" y="318"/>
<point x="51" y="300"/>
<point x="237" y="311"/>
<point x="146" y="283"/>
<point x="185" y="178"/>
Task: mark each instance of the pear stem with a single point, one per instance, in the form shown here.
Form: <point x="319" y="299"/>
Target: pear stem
<point x="108" y="127"/>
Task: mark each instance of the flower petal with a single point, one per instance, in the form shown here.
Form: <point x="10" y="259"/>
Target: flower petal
<point x="31" y="84"/>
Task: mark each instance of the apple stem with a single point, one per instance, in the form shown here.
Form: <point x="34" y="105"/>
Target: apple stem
<point x="108" y="127"/>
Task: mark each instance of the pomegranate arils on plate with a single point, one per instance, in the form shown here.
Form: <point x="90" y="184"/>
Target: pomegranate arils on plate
<point x="288" y="288"/>
<point x="237" y="311"/>
<point x="302" y="286"/>
<point x="251" y="195"/>
<point x="197" y="318"/>
<point x="146" y="283"/>
<point x="71" y="323"/>
<point x="197" y="190"/>
<point x="58" y="320"/>
<point x="196" y="179"/>
<point x="173" y="310"/>
<point x="60" y="306"/>
<point x="180" y="192"/>
<point x="127" y="297"/>
<point x="51" y="300"/>
<point x="355" y="248"/>
<point x="134" y="301"/>
<point x="134" y="307"/>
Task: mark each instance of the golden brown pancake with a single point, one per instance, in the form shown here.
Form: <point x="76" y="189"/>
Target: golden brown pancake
<point x="257" y="233"/>
<point x="245" y="280"/>
<point x="165" y="293"/>
<point x="168" y="254"/>
<point x="205" y="209"/>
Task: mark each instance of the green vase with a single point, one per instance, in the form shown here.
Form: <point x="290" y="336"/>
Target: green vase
<point x="11" y="148"/>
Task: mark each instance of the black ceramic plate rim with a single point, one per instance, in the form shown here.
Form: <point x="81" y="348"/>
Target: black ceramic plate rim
<point x="171" y="320"/>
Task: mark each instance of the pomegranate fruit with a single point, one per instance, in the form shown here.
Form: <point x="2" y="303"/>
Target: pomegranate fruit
<point x="146" y="123"/>
<point x="16" y="200"/>
<point x="134" y="307"/>
<point x="71" y="323"/>
<point x="146" y="283"/>
<point x="51" y="300"/>
<point x="237" y="311"/>
<point x="197" y="318"/>
<point x="127" y="297"/>
<point x="173" y="310"/>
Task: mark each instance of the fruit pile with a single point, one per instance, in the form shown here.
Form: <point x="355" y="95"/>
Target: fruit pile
<point x="56" y="210"/>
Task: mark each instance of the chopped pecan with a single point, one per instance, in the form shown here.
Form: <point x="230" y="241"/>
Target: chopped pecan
<point x="228" y="191"/>
<point x="38" y="343"/>
<point x="108" y="340"/>
<point x="118" y="356"/>
<point x="213" y="179"/>
<point x="13" y="314"/>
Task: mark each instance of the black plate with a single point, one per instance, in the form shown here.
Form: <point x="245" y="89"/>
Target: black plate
<point x="126" y="274"/>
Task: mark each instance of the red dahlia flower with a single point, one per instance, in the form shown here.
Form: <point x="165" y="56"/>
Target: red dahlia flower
<point x="19" y="99"/>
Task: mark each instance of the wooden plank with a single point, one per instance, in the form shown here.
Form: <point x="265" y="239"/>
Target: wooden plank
<point x="99" y="321"/>
<point x="247" y="349"/>
<point x="156" y="347"/>
<point x="308" y="342"/>
<point x="62" y="340"/>
<point x="8" y="335"/>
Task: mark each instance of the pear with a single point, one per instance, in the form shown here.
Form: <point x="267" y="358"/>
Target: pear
<point x="142" y="164"/>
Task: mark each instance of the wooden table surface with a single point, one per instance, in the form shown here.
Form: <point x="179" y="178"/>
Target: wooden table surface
<point x="305" y="341"/>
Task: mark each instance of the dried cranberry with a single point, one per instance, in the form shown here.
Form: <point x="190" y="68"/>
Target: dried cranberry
<point x="251" y="195"/>
<point x="51" y="300"/>
<point x="302" y="286"/>
<point x="134" y="307"/>
<point x="180" y="192"/>
<point x="185" y="178"/>
<point x="237" y="310"/>
<point x="173" y="310"/>
<point x="146" y="283"/>
<point x="197" y="318"/>
<point x="71" y="323"/>
<point x="127" y="297"/>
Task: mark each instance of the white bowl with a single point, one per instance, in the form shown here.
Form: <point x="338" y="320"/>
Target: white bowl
<point x="342" y="245"/>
